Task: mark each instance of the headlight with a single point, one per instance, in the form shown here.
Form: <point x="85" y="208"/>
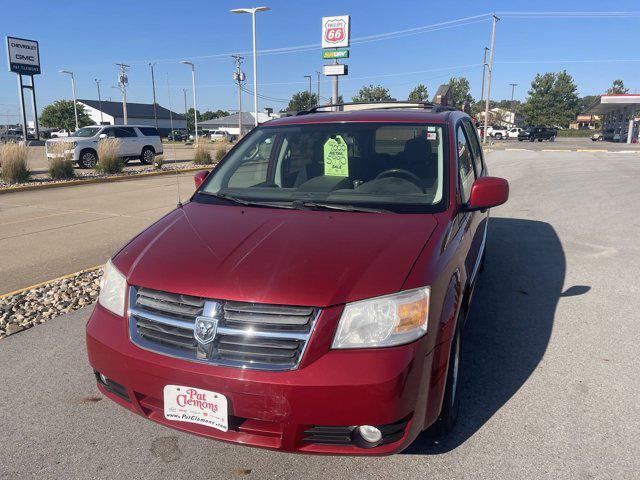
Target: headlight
<point x="384" y="321"/>
<point x="113" y="289"/>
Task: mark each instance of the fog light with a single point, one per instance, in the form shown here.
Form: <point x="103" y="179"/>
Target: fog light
<point x="369" y="433"/>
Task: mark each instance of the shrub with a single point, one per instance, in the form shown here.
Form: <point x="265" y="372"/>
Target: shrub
<point x="220" y="153"/>
<point x="109" y="160"/>
<point x="61" y="165"/>
<point x="13" y="159"/>
<point x="158" y="162"/>
<point x="201" y="156"/>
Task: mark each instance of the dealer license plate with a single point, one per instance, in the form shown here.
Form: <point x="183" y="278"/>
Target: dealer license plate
<point x="194" y="405"/>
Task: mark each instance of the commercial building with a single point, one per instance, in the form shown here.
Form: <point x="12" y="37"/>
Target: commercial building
<point x="617" y="112"/>
<point x="137" y="114"/>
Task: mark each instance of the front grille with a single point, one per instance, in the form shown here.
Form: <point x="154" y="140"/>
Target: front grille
<point x="249" y="335"/>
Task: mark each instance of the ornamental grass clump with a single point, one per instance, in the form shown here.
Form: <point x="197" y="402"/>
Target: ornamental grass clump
<point x="109" y="159"/>
<point x="61" y="164"/>
<point x="158" y="162"/>
<point x="201" y="156"/>
<point x="13" y="161"/>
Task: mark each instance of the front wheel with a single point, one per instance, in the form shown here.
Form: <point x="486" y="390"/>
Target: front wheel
<point x="147" y="156"/>
<point x="552" y="139"/>
<point x="450" y="403"/>
<point x="498" y="136"/>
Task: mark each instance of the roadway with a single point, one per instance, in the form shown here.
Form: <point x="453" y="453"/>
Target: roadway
<point x="550" y="377"/>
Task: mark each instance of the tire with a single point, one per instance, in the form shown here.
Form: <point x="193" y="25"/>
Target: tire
<point x="520" y="140"/>
<point x="498" y="136"/>
<point x="552" y="139"/>
<point x="540" y="139"/>
<point x="450" y="402"/>
<point x="88" y="159"/>
<point x="147" y="156"/>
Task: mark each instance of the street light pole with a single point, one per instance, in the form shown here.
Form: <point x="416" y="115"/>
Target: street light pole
<point x="489" y="71"/>
<point x="153" y="86"/>
<point x="73" y="89"/>
<point x="99" y="101"/>
<point x="186" y="110"/>
<point x="309" y="77"/>
<point x="195" y="104"/>
<point x="253" y="12"/>
<point x="484" y="68"/>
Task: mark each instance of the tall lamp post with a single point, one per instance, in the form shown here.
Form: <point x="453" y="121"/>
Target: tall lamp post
<point x="99" y="100"/>
<point x="195" y="106"/>
<point x="253" y="12"/>
<point x="73" y="88"/>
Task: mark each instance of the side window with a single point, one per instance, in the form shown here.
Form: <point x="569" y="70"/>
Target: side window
<point x="109" y="132"/>
<point x="476" y="149"/>
<point x="465" y="165"/>
<point x="149" y="131"/>
<point x="125" y="132"/>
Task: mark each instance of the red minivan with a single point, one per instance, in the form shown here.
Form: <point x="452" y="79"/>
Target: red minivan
<point x="311" y="296"/>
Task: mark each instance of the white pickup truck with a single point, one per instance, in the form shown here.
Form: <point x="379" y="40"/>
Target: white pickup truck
<point x="60" y="133"/>
<point x="136" y="141"/>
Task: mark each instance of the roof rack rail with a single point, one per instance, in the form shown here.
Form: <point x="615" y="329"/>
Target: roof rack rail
<point x="383" y="105"/>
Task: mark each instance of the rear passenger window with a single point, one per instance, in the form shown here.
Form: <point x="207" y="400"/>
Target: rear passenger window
<point x="124" y="132"/>
<point x="476" y="149"/>
<point x="465" y="165"/>
<point x="149" y="131"/>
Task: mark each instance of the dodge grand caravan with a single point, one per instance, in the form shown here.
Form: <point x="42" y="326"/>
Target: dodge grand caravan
<point x="311" y="296"/>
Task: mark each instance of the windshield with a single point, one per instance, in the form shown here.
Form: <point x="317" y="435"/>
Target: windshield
<point x="86" y="132"/>
<point x="375" y="164"/>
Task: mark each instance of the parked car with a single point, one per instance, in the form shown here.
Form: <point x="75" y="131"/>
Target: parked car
<point x="177" y="136"/>
<point x="202" y="134"/>
<point x="60" y="133"/>
<point x="11" y="136"/>
<point x="538" y="133"/>
<point x="498" y="132"/>
<point x="514" y="132"/>
<point x="136" y="141"/>
<point x="220" y="135"/>
<point x="312" y="294"/>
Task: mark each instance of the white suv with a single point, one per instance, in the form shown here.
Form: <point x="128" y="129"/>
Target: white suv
<point x="136" y="141"/>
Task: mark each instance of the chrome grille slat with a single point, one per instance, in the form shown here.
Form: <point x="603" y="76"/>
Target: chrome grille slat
<point x="249" y="335"/>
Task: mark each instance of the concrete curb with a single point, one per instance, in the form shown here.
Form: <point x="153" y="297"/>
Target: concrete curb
<point x="73" y="183"/>
<point x="38" y="285"/>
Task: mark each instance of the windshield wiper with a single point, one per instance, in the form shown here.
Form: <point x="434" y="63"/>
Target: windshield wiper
<point x="336" y="206"/>
<point x="248" y="203"/>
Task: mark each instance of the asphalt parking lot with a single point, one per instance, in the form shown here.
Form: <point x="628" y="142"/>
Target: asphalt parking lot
<point x="550" y="376"/>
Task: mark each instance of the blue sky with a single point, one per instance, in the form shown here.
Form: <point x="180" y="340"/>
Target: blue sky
<point x="89" y="37"/>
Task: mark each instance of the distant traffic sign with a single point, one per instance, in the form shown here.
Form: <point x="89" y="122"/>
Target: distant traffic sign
<point x="335" y="54"/>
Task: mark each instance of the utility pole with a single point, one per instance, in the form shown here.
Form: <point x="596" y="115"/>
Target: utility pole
<point x="153" y="86"/>
<point x="513" y="105"/>
<point x="309" y="77"/>
<point x="239" y="77"/>
<point x="123" y="81"/>
<point x="99" y="101"/>
<point x="484" y="68"/>
<point x="318" y="74"/>
<point x="489" y="71"/>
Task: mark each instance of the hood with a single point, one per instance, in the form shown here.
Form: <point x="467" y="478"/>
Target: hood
<point x="292" y="257"/>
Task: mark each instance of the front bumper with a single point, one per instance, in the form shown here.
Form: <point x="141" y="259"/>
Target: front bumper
<point x="288" y="410"/>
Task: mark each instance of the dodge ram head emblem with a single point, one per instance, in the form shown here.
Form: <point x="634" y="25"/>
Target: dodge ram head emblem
<point x="204" y="330"/>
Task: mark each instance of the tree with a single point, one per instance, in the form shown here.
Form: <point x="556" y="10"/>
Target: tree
<point x="552" y="100"/>
<point x="617" y="88"/>
<point x="586" y="102"/>
<point x="419" y="94"/>
<point x="461" y="91"/>
<point x="302" y="101"/>
<point x="372" y="94"/>
<point x="60" y="115"/>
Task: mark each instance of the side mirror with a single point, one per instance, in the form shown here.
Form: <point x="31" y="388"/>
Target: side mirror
<point x="102" y="135"/>
<point x="487" y="192"/>
<point x="199" y="177"/>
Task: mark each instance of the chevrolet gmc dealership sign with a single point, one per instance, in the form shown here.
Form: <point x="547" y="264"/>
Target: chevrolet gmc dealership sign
<point x="335" y="31"/>
<point x="23" y="55"/>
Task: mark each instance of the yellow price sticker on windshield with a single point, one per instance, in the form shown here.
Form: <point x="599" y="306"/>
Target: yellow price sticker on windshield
<point x="336" y="158"/>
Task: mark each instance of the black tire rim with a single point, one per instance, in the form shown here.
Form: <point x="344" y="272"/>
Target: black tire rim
<point x="89" y="160"/>
<point x="147" y="156"/>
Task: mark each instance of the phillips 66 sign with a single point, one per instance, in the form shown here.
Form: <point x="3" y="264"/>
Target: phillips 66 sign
<point x="335" y="31"/>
